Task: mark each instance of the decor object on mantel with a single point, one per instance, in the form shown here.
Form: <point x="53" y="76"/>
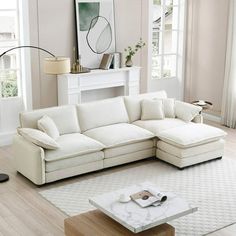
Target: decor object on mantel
<point x="132" y="51"/>
<point x="53" y="66"/>
<point x="111" y="61"/>
<point x="77" y="67"/>
<point x="204" y="104"/>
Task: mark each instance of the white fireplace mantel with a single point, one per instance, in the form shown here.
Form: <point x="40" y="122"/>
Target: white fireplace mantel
<point x="72" y="86"/>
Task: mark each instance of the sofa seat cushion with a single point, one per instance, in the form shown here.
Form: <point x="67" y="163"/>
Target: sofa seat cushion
<point x="191" y="135"/>
<point x="126" y="149"/>
<point x="119" y="134"/>
<point x="73" y="161"/>
<point x="72" y="145"/>
<point x="192" y="151"/>
<point x="156" y="126"/>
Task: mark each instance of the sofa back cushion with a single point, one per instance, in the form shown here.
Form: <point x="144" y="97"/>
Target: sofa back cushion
<point x="64" y="117"/>
<point x="102" y="113"/>
<point x="133" y="103"/>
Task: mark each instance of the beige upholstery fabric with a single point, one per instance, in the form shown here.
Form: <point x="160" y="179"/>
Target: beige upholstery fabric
<point x="29" y="159"/>
<point x="192" y="151"/>
<point x="169" y="107"/>
<point x="47" y="125"/>
<point x="186" y="111"/>
<point x="133" y="103"/>
<point x="130" y="148"/>
<point x="119" y="134"/>
<point x="39" y="138"/>
<point x="73" y="161"/>
<point x="191" y="135"/>
<point x="65" y="118"/>
<point x="126" y="158"/>
<point x="101" y="113"/>
<point x="72" y="145"/>
<point x="157" y="126"/>
<point x="183" y="162"/>
<point x="73" y="171"/>
<point x="152" y="110"/>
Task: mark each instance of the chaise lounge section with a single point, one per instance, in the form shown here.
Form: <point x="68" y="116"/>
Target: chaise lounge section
<point x="110" y="132"/>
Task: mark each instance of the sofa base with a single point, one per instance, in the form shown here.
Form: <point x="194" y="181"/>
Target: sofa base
<point x="129" y="157"/>
<point x="73" y="171"/>
<point x="182" y="168"/>
<point x="189" y="161"/>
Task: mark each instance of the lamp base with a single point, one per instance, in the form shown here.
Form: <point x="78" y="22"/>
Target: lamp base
<point x="3" y="178"/>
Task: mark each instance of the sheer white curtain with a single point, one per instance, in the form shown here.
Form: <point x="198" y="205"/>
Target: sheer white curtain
<point x="229" y="91"/>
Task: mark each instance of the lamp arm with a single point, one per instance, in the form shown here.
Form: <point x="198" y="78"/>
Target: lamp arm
<point x="27" y="47"/>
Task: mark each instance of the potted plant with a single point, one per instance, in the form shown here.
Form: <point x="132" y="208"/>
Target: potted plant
<point x="131" y="51"/>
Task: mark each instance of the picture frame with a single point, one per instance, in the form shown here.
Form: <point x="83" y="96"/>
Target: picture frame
<point x="95" y="30"/>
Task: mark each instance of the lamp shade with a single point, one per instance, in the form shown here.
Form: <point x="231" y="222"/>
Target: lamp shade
<point x="56" y="65"/>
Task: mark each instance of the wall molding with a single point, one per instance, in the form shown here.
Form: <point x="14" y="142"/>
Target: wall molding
<point x="211" y="117"/>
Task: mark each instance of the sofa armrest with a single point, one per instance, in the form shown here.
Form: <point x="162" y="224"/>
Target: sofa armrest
<point x="29" y="159"/>
<point x="198" y="119"/>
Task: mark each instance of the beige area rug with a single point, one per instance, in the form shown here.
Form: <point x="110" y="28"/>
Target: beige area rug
<point x="210" y="186"/>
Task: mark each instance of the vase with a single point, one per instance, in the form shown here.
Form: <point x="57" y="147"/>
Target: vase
<point x="129" y="62"/>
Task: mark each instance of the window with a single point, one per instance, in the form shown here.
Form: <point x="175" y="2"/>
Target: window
<point x="165" y="38"/>
<point x="9" y="37"/>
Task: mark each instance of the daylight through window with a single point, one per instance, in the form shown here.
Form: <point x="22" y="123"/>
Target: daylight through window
<point x="9" y="37"/>
<point x="165" y="38"/>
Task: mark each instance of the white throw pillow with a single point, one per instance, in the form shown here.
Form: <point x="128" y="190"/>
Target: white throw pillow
<point x="152" y="110"/>
<point x="186" y="111"/>
<point x="47" y="125"/>
<point x="169" y="107"/>
<point x="38" y="137"/>
<point x="133" y="103"/>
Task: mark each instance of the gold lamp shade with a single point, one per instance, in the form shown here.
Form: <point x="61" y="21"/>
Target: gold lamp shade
<point x="57" y="65"/>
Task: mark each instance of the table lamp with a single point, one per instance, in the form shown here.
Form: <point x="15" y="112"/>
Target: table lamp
<point x="53" y="66"/>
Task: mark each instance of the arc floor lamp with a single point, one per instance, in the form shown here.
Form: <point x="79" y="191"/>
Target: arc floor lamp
<point x="52" y="65"/>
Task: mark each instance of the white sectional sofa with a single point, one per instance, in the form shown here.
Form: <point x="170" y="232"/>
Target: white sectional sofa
<point x="110" y="132"/>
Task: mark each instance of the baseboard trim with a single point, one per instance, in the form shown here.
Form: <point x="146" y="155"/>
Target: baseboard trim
<point x="6" y="138"/>
<point x="210" y="117"/>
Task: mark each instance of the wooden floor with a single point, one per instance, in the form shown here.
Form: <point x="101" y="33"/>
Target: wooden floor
<point x="24" y="212"/>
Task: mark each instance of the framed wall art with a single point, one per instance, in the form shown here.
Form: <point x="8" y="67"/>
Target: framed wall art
<point x="95" y="30"/>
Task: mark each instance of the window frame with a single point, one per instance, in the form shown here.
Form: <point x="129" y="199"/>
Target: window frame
<point x="162" y="31"/>
<point x="24" y="83"/>
<point x="17" y="42"/>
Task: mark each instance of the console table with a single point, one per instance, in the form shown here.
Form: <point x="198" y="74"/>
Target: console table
<point x="71" y="86"/>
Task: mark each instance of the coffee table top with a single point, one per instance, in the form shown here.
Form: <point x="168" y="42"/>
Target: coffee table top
<point x="136" y="218"/>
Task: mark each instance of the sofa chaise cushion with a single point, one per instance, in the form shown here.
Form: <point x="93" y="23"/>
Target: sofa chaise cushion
<point x="119" y="134"/>
<point x="191" y="135"/>
<point x="133" y="103"/>
<point x="101" y="113"/>
<point x="72" y="145"/>
<point x="157" y="126"/>
<point x="64" y="117"/>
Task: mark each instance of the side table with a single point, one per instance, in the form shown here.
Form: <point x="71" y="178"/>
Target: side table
<point x="206" y="106"/>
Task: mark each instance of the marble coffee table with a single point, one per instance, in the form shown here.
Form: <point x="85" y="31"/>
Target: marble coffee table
<point x="136" y="218"/>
